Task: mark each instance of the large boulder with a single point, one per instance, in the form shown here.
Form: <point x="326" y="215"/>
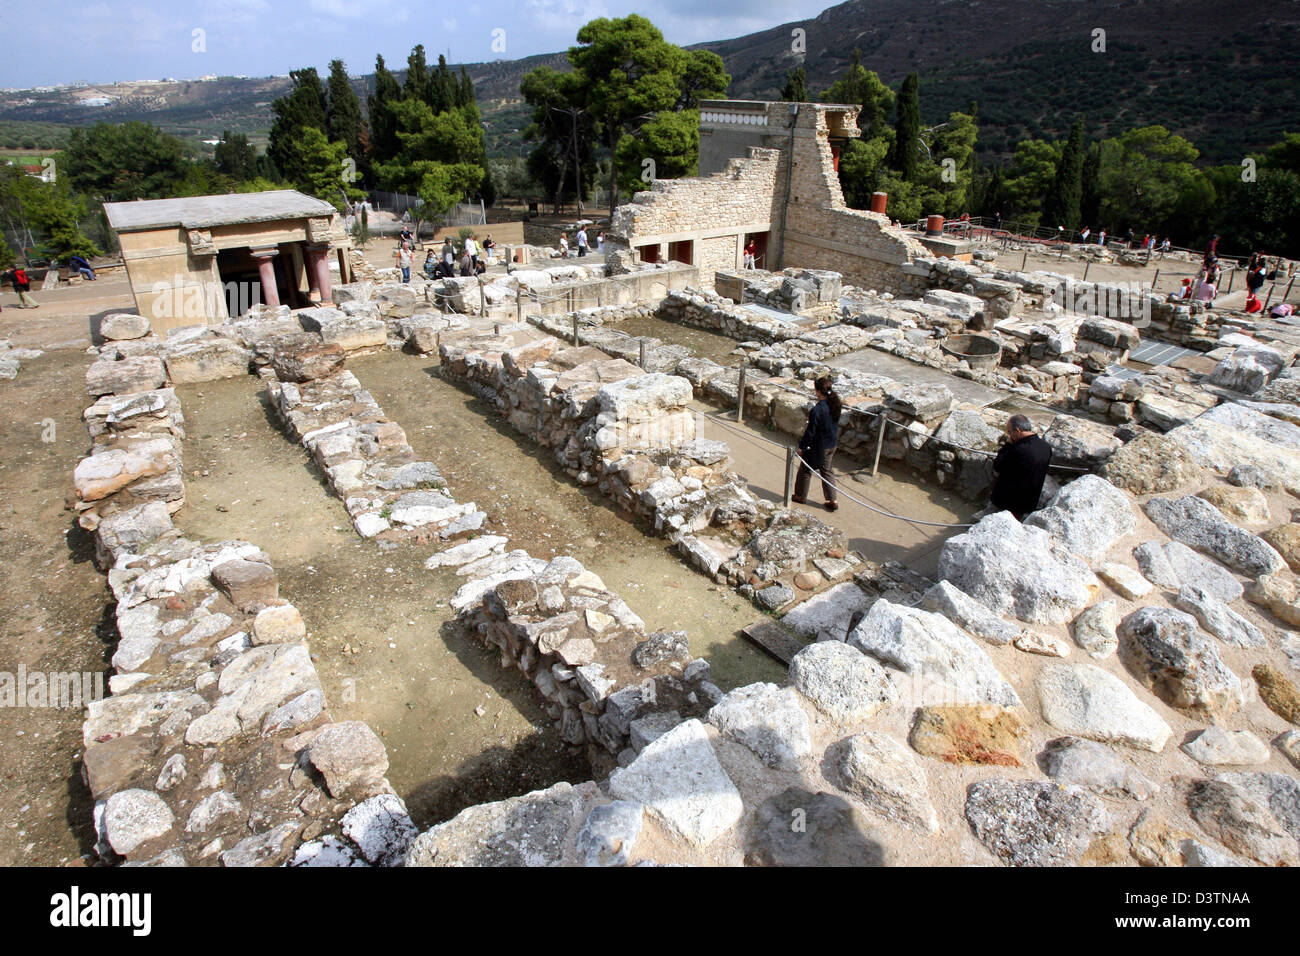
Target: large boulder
<point x="882" y="773"/>
<point x="1198" y="524"/>
<point x="123" y="325"/>
<point x="842" y="682"/>
<point x="308" y="363"/>
<point x="1086" y="701"/>
<point x="679" y="779"/>
<point x="1231" y="434"/>
<point x="1151" y="464"/>
<point x="139" y="374"/>
<point x="1219" y="619"/>
<point x="768" y="720"/>
<point x="969" y="614"/>
<point x="1026" y="823"/>
<point x="930" y="648"/>
<point x="207" y="361"/>
<point x="1167" y="652"/>
<point x="1087" y="517"/>
<point x="1174" y="565"/>
<point x="1016" y="569"/>
<point x="1080" y="443"/>
<point x="537" y="829"/>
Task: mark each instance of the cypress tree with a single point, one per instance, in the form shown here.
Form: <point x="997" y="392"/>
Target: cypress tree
<point x="1090" y="201"/>
<point x="1062" y="204"/>
<point x="417" y="76"/>
<point x="908" y="129"/>
<point x="379" y="105"/>
<point x="344" y="111"/>
<point x="796" y="86"/>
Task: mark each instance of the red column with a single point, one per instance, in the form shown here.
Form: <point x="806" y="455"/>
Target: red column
<point x="266" y="272"/>
<point x="318" y="263"/>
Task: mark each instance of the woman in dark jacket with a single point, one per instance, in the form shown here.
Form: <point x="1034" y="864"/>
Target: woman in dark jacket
<point x="817" y="446"/>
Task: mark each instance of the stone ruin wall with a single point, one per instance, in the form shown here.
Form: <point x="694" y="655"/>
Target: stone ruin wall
<point x="215" y="745"/>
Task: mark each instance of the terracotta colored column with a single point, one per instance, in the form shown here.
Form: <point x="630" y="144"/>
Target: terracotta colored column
<point x="266" y="272"/>
<point x="879" y="201"/>
<point x="318" y="262"/>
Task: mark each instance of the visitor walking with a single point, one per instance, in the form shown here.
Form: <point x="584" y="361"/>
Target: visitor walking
<point x="1084" y="234"/>
<point x="1020" y="469"/>
<point x="1101" y="238"/>
<point x="489" y="250"/>
<point x="600" y="241"/>
<point x="564" y="245"/>
<point x="751" y="248"/>
<point x="471" y="250"/>
<point x="582" y="240"/>
<point x="430" y="265"/>
<point x="17" y="277"/>
<point x="817" y="445"/>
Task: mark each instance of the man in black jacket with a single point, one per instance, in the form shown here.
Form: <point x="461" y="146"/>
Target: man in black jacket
<point x="1020" y="469"/>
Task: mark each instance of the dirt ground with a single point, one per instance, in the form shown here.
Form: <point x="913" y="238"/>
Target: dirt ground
<point x="380" y="629"/>
<point x="53" y="618"/>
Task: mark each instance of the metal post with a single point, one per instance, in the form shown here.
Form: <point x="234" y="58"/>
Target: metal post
<point x="519" y="305"/>
<point x="575" y="329"/>
<point x="641" y="349"/>
<point x="1085" y="271"/>
<point x="789" y="475"/>
<point x="740" y="395"/>
<point x="1231" y="273"/>
<point x="1156" y="281"/>
<point x="880" y="443"/>
<point x="1287" y="294"/>
<point x="1269" y="298"/>
<point x="1023" y="260"/>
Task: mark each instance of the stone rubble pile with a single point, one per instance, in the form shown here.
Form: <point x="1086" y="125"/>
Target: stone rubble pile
<point x="389" y="493"/>
<point x="133" y="475"/>
<point x="11" y="358"/>
<point x="604" y="679"/>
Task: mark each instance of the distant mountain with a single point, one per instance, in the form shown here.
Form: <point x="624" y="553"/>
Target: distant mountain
<point x="1217" y="73"/>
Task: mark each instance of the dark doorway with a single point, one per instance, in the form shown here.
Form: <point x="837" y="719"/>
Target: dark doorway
<point x="682" y="251"/>
<point x="760" y="248"/>
<point x="648" y="253"/>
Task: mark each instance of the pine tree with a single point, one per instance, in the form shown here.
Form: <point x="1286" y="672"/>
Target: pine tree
<point x="1061" y="205"/>
<point x="908" y="129"/>
<point x="796" y="86"/>
<point x="300" y="109"/>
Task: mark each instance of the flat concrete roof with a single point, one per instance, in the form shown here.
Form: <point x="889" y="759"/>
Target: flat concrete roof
<point x="203" y="212"/>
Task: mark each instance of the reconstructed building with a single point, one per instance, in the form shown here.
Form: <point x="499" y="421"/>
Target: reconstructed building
<point x="202" y="259"/>
<point x="771" y="176"/>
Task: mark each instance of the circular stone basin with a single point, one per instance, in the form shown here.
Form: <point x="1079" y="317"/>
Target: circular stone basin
<point x="979" y="351"/>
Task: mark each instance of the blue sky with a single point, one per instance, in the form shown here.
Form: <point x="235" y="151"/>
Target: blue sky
<point x="101" y="41"/>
